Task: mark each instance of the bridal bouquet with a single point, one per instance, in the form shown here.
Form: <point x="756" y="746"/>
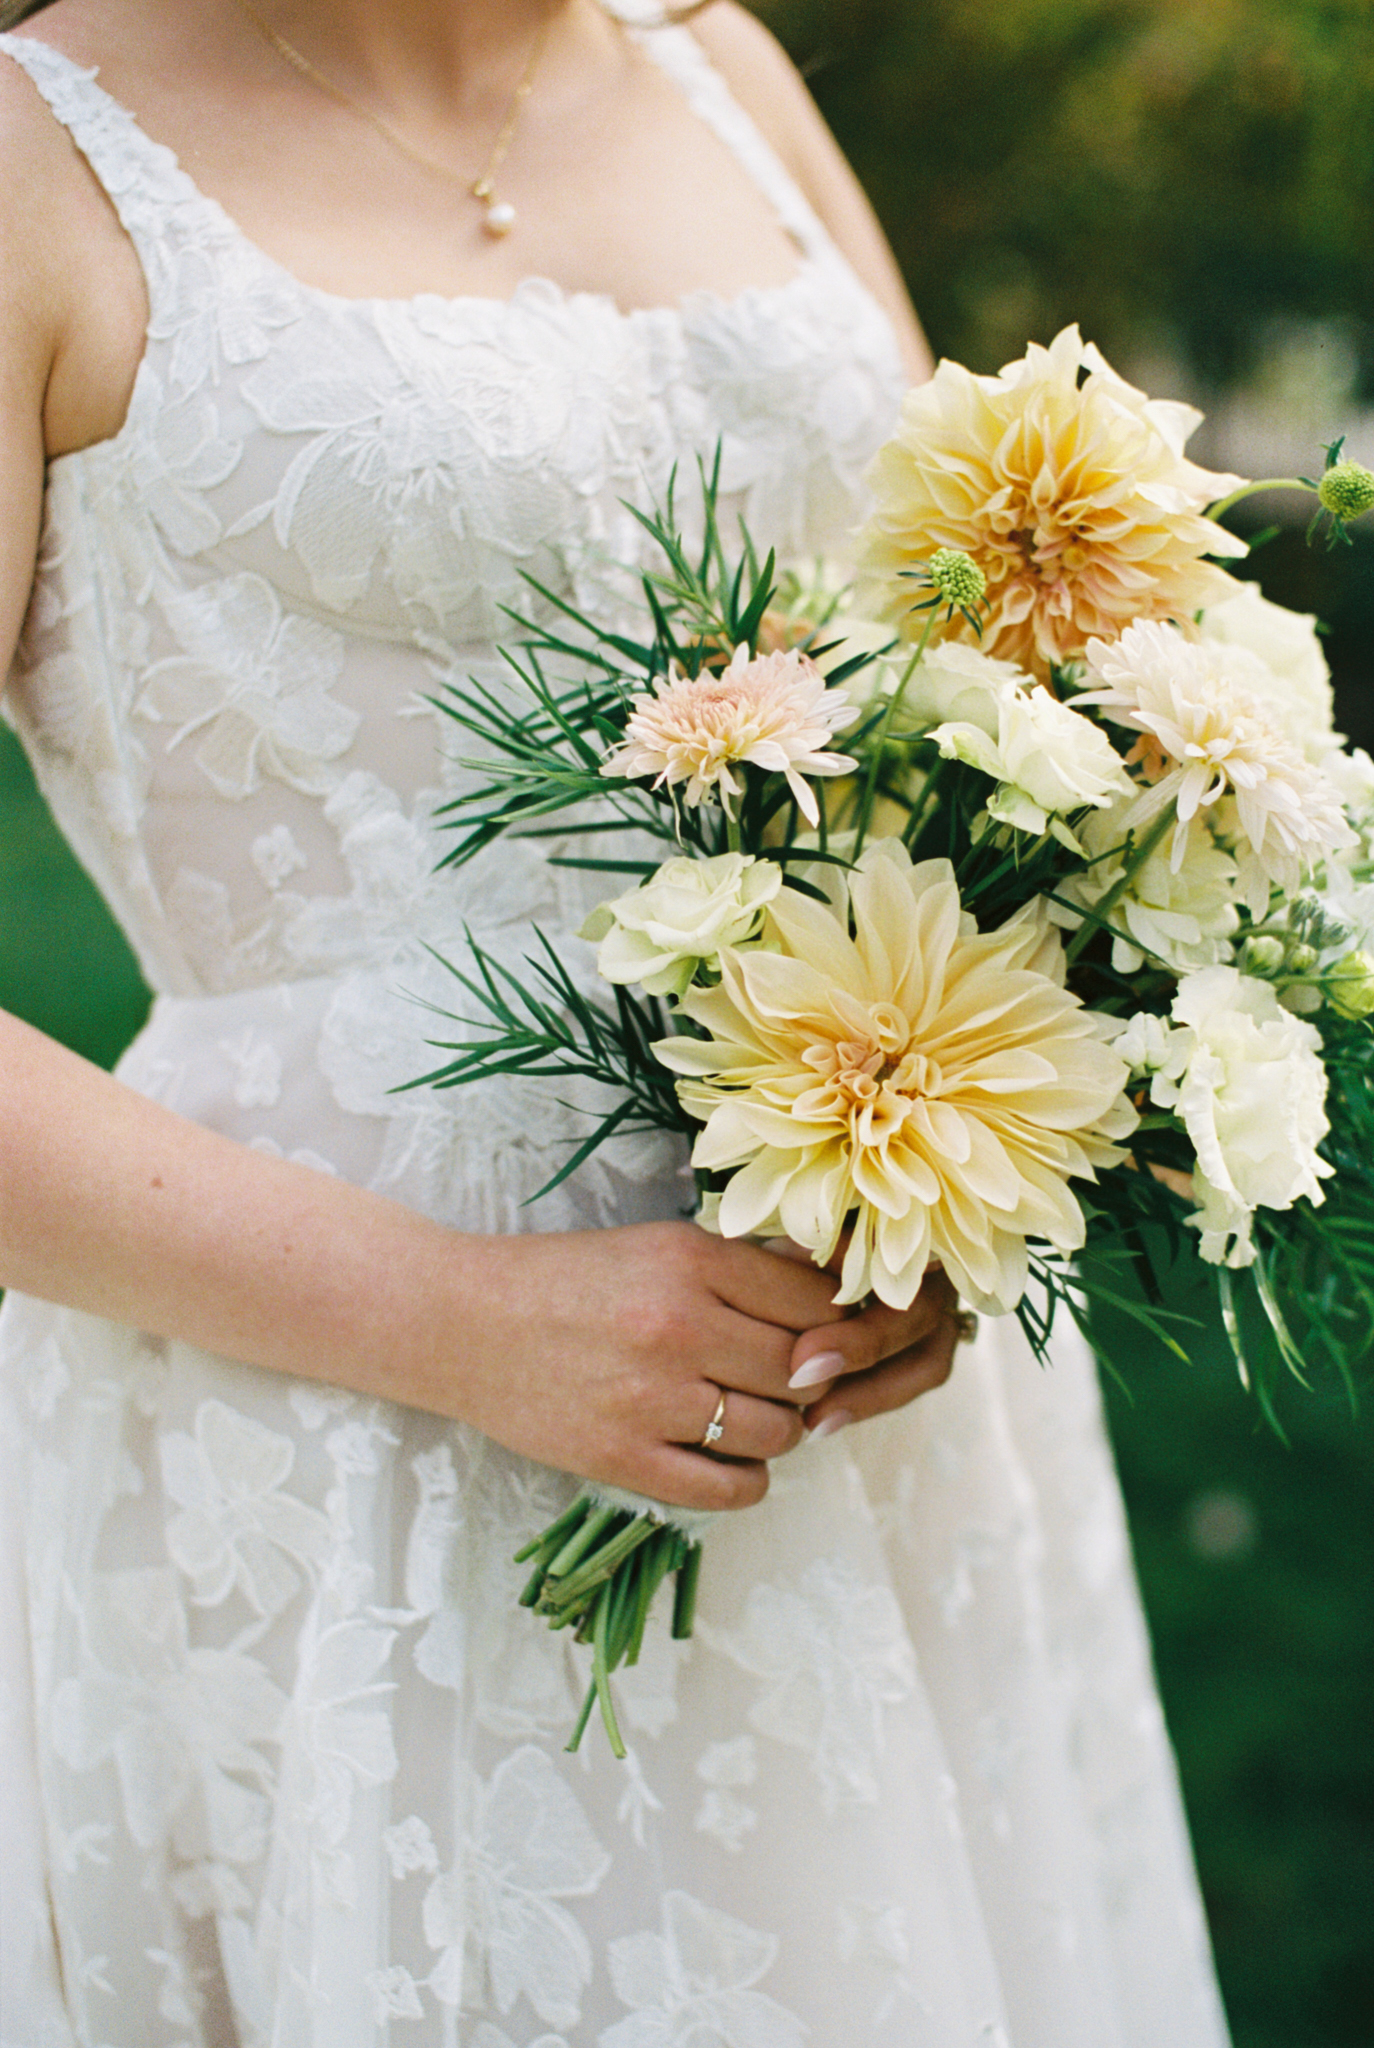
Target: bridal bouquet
<point x="1070" y="946"/>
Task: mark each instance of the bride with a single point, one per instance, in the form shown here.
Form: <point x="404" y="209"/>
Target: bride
<point x="323" y="326"/>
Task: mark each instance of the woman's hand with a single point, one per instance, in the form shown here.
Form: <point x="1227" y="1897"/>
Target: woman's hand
<point x="606" y="1353"/>
<point x="877" y="1360"/>
<point x="655" y="1323"/>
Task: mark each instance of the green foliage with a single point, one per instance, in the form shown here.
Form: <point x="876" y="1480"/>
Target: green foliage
<point x="543" y="744"/>
<point x="542" y="1026"/>
<point x="1190" y="168"/>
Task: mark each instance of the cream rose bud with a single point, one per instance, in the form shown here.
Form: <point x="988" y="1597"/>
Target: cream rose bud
<point x="1350" y="986"/>
<point x="1247" y="1079"/>
<point x="951" y="684"/>
<point x="660" y="934"/>
<point x="1046" y="758"/>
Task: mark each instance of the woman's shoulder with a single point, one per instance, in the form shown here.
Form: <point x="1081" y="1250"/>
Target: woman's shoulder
<point x="766" y="83"/>
<point x="769" y="87"/>
<point x="72" y="311"/>
<point x="40" y="166"/>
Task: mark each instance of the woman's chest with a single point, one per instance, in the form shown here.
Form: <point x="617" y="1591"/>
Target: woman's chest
<point x="407" y="467"/>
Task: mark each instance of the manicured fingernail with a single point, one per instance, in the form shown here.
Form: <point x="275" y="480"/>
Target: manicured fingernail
<point x="838" y="1418"/>
<point x="826" y="1365"/>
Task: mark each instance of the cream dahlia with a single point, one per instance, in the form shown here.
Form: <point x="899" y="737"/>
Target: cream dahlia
<point x="773" y="710"/>
<point x="932" y="1086"/>
<point x="1073" y="497"/>
<point x="1212" y="747"/>
<point x="1277" y="656"/>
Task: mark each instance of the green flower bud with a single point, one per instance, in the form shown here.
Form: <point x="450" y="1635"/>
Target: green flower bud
<point x="958" y="578"/>
<point x="1350" y="986"/>
<point x="1302" y="959"/>
<point x="1346" y="490"/>
<point x="1263" y="955"/>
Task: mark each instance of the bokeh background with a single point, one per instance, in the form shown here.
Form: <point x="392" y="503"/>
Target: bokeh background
<point x="1193" y="181"/>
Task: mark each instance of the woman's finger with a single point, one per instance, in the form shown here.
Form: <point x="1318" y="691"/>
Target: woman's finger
<point x="865" y="1340"/>
<point x="882" y="1388"/>
<point x="684" y="1478"/>
<point x="748" y="1427"/>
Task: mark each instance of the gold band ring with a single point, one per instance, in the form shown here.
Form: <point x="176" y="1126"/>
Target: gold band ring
<point x="715" y="1428"/>
<point x="965" y="1325"/>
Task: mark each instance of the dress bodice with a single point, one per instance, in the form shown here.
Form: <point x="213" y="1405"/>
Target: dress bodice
<point x="312" y="518"/>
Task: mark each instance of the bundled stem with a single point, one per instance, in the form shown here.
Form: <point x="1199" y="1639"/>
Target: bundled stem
<point x="598" y="1570"/>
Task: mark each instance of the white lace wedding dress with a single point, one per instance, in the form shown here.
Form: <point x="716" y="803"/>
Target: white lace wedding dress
<point x="282" y="1759"/>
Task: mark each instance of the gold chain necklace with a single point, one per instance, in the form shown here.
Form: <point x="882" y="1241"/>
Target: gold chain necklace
<point x="498" y="217"/>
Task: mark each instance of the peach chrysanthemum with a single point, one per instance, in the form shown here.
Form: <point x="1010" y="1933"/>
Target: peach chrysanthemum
<point x="1073" y="498"/>
<point x="935" y="1086"/>
<point x="773" y="710"/>
<point x="1213" y="747"/>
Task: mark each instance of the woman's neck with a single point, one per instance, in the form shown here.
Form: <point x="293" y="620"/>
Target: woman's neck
<point x="431" y="59"/>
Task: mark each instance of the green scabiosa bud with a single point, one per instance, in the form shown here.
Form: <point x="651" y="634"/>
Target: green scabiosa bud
<point x="1350" y="986"/>
<point x="1346" y="490"/>
<point x="958" y="578"/>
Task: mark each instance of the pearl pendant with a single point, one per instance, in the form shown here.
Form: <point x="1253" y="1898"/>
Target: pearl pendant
<point x="499" y="218"/>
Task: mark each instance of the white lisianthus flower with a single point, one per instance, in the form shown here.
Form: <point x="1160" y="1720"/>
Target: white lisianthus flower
<point x="1046" y="758"/>
<point x="773" y="710"/>
<point x="929" y="1082"/>
<point x="660" y="934"/>
<point x="1277" y="656"/>
<point x="1247" y="1080"/>
<point x="1184" y="916"/>
<point x="1209" y="742"/>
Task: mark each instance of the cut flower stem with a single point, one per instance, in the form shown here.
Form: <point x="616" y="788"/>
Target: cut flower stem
<point x="1136" y="860"/>
<point x="597" y="1570"/>
<point x="894" y="705"/>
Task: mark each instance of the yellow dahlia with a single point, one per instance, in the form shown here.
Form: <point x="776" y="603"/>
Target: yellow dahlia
<point x="932" y="1086"/>
<point x="1073" y="498"/>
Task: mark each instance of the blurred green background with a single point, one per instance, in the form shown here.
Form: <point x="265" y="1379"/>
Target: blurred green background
<point x="1193" y="181"/>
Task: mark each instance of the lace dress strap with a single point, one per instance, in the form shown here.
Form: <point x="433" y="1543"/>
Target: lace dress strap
<point x="679" y="54"/>
<point x="160" y="207"/>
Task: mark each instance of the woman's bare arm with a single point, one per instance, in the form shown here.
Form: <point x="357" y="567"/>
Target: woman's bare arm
<point x="766" y="83"/>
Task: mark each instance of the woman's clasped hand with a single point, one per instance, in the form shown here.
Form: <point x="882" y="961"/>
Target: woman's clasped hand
<point x="641" y="1329"/>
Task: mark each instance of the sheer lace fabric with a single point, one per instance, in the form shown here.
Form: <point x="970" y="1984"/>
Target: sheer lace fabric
<point x="283" y="1760"/>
